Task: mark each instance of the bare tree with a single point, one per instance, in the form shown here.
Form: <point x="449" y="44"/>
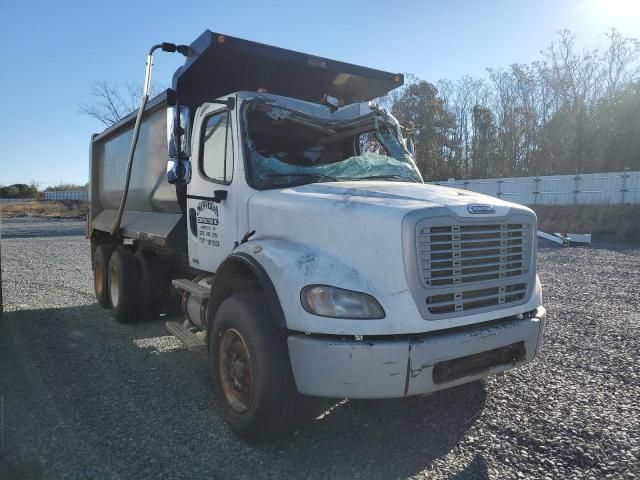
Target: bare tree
<point x="621" y="54"/>
<point x="111" y="103"/>
<point x="460" y="98"/>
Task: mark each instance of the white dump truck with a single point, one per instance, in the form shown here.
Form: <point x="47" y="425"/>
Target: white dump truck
<point x="285" y="213"/>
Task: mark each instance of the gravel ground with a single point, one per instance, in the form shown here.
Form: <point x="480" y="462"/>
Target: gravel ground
<point x="84" y="397"/>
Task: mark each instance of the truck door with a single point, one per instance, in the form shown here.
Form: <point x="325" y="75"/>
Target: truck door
<point x="211" y="197"/>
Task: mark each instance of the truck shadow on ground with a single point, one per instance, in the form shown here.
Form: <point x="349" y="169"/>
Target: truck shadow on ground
<point x="390" y="438"/>
<point x="129" y="396"/>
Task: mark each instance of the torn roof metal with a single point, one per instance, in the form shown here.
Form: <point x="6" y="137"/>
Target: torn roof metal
<point x="220" y="65"/>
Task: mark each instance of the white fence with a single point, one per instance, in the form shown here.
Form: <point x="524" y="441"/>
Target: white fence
<point x="67" y="195"/>
<point x="588" y="189"/>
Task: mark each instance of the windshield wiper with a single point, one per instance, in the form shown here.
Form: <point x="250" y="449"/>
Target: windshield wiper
<point x="315" y="176"/>
<point x="386" y="177"/>
<point x="298" y="179"/>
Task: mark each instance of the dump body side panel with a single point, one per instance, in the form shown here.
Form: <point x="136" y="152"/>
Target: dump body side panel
<point x="152" y="211"/>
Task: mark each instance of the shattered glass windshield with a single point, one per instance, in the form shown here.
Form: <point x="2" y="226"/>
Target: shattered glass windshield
<point x="287" y="148"/>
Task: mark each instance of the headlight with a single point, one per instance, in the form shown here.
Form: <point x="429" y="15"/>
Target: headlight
<point x="336" y="302"/>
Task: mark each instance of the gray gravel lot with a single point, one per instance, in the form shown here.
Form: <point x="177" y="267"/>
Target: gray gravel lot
<point x="85" y="397"/>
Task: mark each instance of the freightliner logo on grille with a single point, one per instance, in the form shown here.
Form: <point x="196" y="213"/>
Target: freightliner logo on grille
<point x="481" y="209"/>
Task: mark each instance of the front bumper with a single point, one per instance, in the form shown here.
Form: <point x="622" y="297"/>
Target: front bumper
<point x="338" y="368"/>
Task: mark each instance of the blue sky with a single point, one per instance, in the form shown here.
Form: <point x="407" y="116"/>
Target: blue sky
<point x="54" y="51"/>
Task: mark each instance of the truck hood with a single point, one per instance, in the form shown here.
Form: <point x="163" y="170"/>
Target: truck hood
<point x="358" y="222"/>
<point x="378" y="194"/>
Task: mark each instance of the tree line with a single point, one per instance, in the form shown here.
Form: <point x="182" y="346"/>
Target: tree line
<point x="19" y="190"/>
<point x="573" y="111"/>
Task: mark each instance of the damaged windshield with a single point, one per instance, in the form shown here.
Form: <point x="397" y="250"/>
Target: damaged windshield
<point x="287" y="148"/>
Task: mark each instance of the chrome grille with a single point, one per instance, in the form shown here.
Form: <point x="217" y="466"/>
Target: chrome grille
<point x="474" y="266"/>
<point x="470" y="299"/>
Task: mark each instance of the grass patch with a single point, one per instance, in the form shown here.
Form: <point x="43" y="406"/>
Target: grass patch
<point x="38" y="208"/>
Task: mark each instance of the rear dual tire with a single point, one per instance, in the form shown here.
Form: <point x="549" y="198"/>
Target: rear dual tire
<point x="132" y="285"/>
<point x="100" y="266"/>
<point x="124" y="286"/>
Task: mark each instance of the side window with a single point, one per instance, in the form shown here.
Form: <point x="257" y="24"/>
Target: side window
<point x="216" y="157"/>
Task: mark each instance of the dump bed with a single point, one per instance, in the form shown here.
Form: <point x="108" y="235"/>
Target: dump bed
<point x="152" y="211"/>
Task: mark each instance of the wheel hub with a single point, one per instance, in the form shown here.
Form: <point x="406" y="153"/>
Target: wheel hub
<point x="99" y="278"/>
<point x="234" y="368"/>
<point x="114" y="293"/>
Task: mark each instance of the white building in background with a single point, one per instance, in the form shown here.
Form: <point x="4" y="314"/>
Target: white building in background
<point x="67" y="195"/>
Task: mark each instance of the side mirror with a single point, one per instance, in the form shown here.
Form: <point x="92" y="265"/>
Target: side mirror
<point x="185" y="128"/>
<point x="179" y="172"/>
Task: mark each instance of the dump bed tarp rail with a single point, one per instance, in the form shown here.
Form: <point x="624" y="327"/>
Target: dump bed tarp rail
<point x="220" y="64"/>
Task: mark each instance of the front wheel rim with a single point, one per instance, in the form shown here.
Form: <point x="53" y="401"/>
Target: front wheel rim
<point x="235" y="371"/>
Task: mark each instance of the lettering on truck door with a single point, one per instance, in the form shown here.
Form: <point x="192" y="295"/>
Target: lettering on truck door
<point x="208" y="221"/>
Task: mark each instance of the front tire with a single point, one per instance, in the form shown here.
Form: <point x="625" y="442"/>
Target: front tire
<point x="251" y="371"/>
<point x="124" y="286"/>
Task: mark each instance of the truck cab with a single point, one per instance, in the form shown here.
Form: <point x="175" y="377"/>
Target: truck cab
<point x="304" y="243"/>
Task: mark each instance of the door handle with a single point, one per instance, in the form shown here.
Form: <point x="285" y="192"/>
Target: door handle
<point x="219" y="195"/>
<point x="193" y="221"/>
